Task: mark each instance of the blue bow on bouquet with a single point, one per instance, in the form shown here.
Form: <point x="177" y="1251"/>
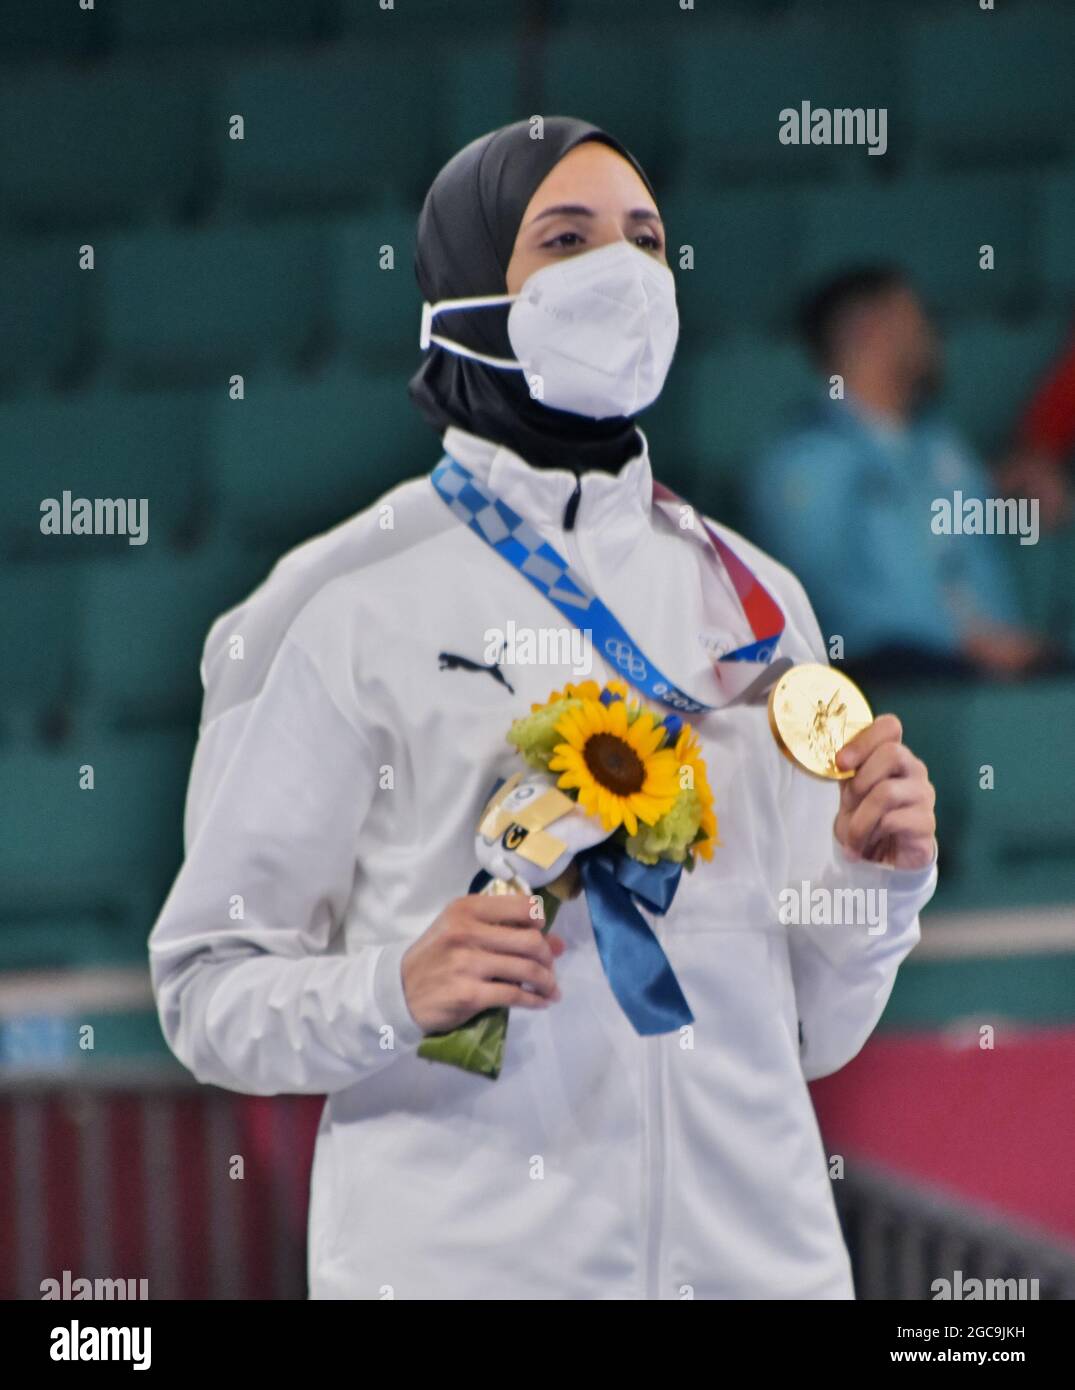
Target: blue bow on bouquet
<point x="634" y="961"/>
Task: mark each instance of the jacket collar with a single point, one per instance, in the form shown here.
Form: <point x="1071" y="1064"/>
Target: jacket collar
<point x="620" y="501"/>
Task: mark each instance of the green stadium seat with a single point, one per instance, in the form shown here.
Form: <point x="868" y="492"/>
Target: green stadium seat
<point x="69" y="942"/>
<point x="932" y="227"/>
<point x="377" y="311"/>
<point x="622" y="12"/>
<point x="44" y="299"/>
<point x="143" y="629"/>
<point x="931" y="714"/>
<point x="668" y="432"/>
<point x="49" y="30"/>
<point x="111" y="851"/>
<point x="621" y="80"/>
<point x="1058" y="237"/>
<point x="740" y="395"/>
<point x="198" y="306"/>
<point x="304" y="456"/>
<point x="1020" y="836"/>
<point x="957" y="993"/>
<point x="446" y="18"/>
<point x="995" y="87"/>
<point x="1044" y="576"/>
<point x="208" y="22"/>
<point x="100" y="444"/>
<point x="81" y="149"/>
<point x="746" y="246"/>
<point x="733" y="80"/>
<point x="38" y="632"/>
<point x="1015" y="843"/>
<point x="719" y="410"/>
<point x="329" y="130"/>
<point x="990" y="371"/>
<point x="478" y="90"/>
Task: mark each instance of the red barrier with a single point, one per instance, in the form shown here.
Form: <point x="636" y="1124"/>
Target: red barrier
<point x="993" y="1126"/>
<point x="144" y="1185"/>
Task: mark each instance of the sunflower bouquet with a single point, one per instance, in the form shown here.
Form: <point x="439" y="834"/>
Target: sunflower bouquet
<point x="615" y="803"/>
<point x="640" y="774"/>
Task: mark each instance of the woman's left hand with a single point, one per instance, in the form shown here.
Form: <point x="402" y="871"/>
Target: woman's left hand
<point x="886" y="809"/>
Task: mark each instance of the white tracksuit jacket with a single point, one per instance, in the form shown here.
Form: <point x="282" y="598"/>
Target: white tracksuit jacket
<point x="332" y="806"/>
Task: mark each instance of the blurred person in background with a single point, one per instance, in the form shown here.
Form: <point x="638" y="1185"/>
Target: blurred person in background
<point x="845" y="498"/>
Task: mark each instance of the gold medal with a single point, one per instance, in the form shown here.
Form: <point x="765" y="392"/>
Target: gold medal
<point x="813" y="711"/>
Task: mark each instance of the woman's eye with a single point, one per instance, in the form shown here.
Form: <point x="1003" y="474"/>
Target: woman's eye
<point x="565" y="239"/>
<point x="568" y="241"/>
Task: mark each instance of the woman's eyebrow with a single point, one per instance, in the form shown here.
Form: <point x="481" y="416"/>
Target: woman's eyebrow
<point x="578" y="210"/>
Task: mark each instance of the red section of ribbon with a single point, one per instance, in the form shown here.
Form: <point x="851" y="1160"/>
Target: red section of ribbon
<point x="762" y="611"/>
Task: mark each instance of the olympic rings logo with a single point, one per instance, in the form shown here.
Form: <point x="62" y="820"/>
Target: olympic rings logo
<point x="626" y="658"/>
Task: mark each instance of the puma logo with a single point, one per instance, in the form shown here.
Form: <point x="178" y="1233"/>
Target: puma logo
<point x="449" y="661"/>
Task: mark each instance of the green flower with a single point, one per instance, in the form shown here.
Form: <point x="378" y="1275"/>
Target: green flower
<point x="672" y="834"/>
<point x="535" y="736"/>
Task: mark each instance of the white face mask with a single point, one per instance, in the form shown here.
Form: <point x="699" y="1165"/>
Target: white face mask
<point x="594" y="334"/>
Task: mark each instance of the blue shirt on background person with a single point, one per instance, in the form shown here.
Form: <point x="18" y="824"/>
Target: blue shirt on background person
<point x="845" y="499"/>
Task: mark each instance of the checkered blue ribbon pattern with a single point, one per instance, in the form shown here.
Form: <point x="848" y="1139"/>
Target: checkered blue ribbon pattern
<point x="517" y="542"/>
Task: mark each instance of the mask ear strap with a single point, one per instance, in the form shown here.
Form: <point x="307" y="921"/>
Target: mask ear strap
<point x="462" y="351"/>
<point x="426" y="329"/>
<point x="476" y="301"/>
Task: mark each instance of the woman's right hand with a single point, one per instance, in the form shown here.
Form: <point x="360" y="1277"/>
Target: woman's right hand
<point x="477" y="955"/>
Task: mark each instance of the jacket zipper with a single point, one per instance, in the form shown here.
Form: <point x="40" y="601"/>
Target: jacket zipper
<point x="653" y="1093"/>
<point x="572" y="553"/>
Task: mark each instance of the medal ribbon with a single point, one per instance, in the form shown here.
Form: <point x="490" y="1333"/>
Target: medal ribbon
<point x="519" y="543"/>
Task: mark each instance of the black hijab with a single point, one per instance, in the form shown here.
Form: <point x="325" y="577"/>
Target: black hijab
<point x="466" y="234"/>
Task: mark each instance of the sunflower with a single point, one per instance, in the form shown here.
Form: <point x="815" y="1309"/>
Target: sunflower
<point x="585" y="690"/>
<point x="616" y="763"/>
<point x="689" y="754"/>
<point x="534" y="734"/>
